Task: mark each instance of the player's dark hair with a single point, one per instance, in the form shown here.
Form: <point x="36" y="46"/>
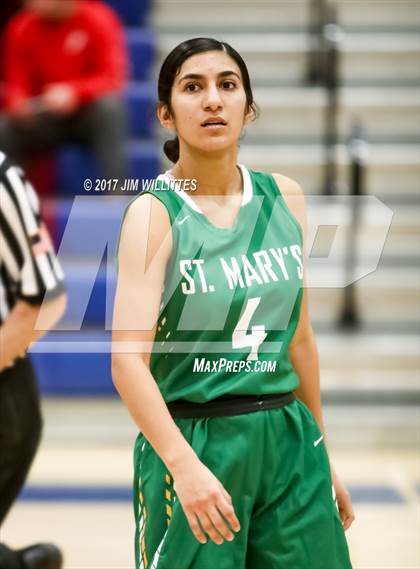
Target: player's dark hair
<point x="172" y="65"/>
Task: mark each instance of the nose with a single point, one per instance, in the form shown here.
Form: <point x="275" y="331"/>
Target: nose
<point x="212" y="100"/>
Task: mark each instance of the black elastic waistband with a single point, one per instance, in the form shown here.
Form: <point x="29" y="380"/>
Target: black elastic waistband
<point x="228" y="405"/>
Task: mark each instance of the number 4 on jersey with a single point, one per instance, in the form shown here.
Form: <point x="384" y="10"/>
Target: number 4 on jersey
<point x="240" y="338"/>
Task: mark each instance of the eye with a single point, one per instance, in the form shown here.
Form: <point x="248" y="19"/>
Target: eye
<point x="228" y="84"/>
<point x="192" y="87"/>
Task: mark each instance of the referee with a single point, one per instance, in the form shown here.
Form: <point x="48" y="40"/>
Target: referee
<point x="30" y="277"/>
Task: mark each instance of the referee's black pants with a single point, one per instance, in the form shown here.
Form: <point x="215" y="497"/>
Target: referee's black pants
<point x="20" y="429"/>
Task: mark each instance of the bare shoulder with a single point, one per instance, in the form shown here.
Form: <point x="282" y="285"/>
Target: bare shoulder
<point x="294" y="197"/>
<point x="287" y="185"/>
<point x="147" y="206"/>
<point x="147" y="227"/>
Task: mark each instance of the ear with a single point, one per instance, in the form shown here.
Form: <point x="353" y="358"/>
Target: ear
<point x="164" y="116"/>
<point x="249" y="115"/>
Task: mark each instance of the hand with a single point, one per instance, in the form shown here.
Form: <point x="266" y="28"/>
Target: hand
<point x="204" y="501"/>
<point x="345" y="507"/>
<point x="6" y="364"/>
<point x="59" y="98"/>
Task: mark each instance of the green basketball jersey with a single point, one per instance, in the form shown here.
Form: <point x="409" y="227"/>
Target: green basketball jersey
<point x="231" y="298"/>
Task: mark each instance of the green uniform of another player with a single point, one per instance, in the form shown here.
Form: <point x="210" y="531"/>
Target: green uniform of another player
<point x="230" y="306"/>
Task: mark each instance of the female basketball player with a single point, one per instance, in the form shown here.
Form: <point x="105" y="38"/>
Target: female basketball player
<point x="213" y="351"/>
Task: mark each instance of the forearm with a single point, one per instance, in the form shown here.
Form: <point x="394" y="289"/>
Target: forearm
<point x="17" y="333"/>
<point x="141" y="395"/>
<point x="22" y="327"/>
<point x="305" y="360"/>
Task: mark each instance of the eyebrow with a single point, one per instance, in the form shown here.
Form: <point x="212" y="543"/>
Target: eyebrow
<point x="198" y="76"/>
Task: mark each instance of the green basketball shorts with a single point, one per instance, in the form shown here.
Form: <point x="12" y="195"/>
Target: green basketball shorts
<point x="275" y="466"/>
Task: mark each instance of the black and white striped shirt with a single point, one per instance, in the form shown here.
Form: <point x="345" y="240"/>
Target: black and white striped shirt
<point x="29" y="269"/>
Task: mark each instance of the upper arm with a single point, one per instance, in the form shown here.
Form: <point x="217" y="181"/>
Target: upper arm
<point x="28" y="253"/>
<point x="110" y="44"/>
<point x="295" y="200"/>
<point x="16" y="71"/>
<point x="144" y="250"/>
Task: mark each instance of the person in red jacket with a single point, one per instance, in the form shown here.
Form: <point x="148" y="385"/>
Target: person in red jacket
<point x="64" y="67"/>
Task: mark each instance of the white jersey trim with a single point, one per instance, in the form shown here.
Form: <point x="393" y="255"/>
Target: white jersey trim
<point x="246" y="192"/>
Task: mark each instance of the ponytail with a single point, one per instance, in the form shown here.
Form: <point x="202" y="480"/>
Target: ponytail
<point x="171" y="149"/>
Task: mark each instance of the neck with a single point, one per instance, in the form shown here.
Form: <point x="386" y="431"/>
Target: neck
<point x="215" y="174"/>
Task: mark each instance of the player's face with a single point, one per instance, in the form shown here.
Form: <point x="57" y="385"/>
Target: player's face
<point x="208" y="102"/>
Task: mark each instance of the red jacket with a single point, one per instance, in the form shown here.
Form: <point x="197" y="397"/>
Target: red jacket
<point x="86" y="51"/>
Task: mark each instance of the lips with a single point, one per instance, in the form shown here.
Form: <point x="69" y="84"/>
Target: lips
<point x="214" y="121"/>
